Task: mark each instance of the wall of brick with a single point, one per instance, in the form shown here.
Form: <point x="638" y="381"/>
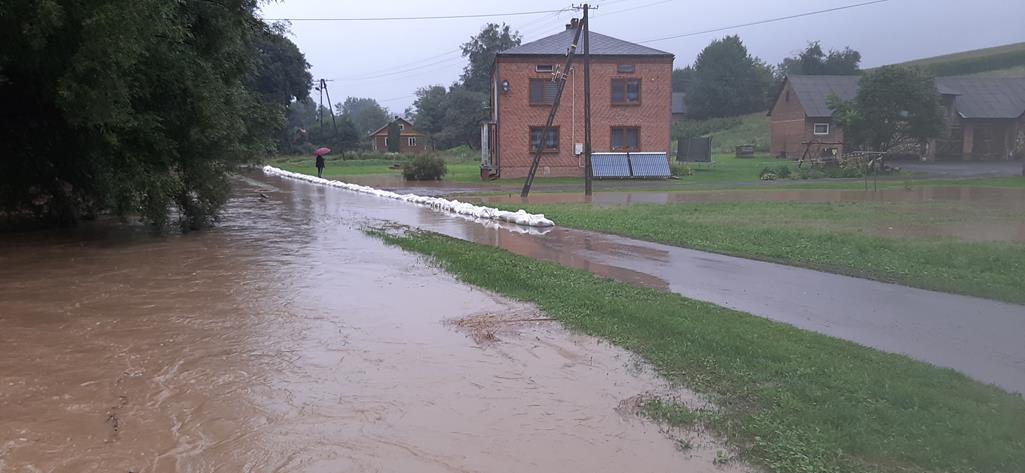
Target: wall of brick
<point x="516" y="115"/>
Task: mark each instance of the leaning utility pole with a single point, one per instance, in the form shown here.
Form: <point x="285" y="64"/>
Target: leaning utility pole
<point x="323" y="91"/>
<point x="587" y="103"/>
<point x="560" y="78"/>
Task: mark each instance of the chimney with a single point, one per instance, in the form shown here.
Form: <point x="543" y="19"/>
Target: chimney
<point x="572" y="25"/>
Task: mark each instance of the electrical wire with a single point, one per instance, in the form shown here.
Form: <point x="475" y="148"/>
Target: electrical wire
<point x="761" y="22"/>
<point x="439" y="17"/>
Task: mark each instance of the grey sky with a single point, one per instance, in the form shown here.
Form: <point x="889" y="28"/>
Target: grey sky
<point x="389" y="60"/>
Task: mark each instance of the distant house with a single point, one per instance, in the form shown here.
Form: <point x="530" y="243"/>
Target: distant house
<point x="631" y="87"/>
<point x="411" y="141"/>
<point x="679" y="107"/>
<point x="985" y="117"/>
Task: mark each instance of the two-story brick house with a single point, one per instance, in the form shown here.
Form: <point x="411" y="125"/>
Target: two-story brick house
<point x="631" y="97"/>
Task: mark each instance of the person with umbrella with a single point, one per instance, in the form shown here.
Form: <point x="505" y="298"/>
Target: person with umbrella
<point x="320" y="160"/>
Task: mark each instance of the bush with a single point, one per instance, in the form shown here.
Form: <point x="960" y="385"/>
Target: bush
<point x="782" y="171"/>
<point x="680" y="170"/>
<point x="424" y="168"/>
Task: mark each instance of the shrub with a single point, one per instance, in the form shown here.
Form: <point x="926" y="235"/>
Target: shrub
<point x="782" y="171"/>
<point x="424" y="168"/>
<point x="680" y="170"/>
<point x="768" y="176"/>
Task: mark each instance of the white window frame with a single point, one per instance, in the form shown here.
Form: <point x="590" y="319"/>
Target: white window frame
<point x="411" y="141"/>
<point x="544" y="68"/>
<point x="386" y="142"/>
<point x="402" y="127"/>
<point x="815" y="128"/>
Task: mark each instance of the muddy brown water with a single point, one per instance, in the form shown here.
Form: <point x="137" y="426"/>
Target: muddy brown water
<point x="286" y="340"/>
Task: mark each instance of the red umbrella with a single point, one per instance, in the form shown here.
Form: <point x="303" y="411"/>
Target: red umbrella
<point x="321" y="151"/>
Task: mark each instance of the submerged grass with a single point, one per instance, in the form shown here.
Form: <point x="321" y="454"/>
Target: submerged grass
<point x="789" y="400"/>
<point x="826" y="236"/>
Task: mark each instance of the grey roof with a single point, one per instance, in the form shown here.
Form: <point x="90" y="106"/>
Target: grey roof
<point x="813" y="92"/>
<point x="976" y="97"/>
<point x="601" y="45"/>
<point x="679" y="105"/>
<point x="986" y="97"/>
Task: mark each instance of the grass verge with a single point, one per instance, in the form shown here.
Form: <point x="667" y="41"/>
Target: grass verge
<point x="790" y="400"/>
<point x="833" y="237"/>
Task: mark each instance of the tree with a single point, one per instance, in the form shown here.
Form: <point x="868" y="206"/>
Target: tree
<point x="727" y="81"/>
<point x="813" y="61"/>
<point x="365" y="113"/>
<point x="480" y="52"/>
<point x="894" y="106"/>
<point x="465" y="110"/>
<point x="394" y="135"/>
<point x="135" y="106"/>
<point x="428" y="110"/>
<point x="682" y="78"/>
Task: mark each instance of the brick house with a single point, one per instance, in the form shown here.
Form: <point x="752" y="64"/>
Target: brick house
<point x="985" y="117"/>
<point x="411" y="141"/>
<point x="631" y="99"/>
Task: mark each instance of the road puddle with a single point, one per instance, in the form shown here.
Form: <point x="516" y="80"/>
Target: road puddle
<point x="287" y="340"/>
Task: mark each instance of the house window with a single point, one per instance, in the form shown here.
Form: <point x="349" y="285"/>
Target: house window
<point x="626" y="91"/>
<point x="542" y="91"/>
<point x="402" y="127"/>
<point x="386" y="142"/>
<point x="551" y="143"/>
<point x="544" y="68"/>
<point x="626" y="138"/>
<point x="821" y="129"/>
<point x="626" y="68"/>
<point x="411" y="141"/>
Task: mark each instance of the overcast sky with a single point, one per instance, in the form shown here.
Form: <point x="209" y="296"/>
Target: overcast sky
<point x="389" y="60"/>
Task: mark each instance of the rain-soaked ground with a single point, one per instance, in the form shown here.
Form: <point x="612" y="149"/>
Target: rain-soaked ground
<point x="287" y="340"/>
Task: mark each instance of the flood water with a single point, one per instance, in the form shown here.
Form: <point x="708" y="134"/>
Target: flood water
<point x="286" y="340"/>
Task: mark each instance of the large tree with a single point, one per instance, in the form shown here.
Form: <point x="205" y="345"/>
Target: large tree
<point x="428" y="110"/>
<point x="365" y="113"/>
<point x="682" y="78"/>
<point x="727" y="81"/>
<point x="135" y="106"/>
<point x="894" y="106"/>
<point x="480" y="53"/>
<point x="814" y="61"/>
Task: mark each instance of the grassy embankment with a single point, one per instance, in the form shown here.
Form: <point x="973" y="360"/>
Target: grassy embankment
<point x="854" y="238"/>
<point x="789" y="400"/>
<point x="998" y="61"/>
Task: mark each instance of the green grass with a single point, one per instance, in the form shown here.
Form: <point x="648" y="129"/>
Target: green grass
<point x="789" y="400"/>
<point x="1009" y="56"/>
<point x="826" y="236"/>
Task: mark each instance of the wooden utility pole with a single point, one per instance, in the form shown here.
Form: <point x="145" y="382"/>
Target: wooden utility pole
<point x="560" y="79"/>
<point x="324" y="91"/>
<point x="588" y="174"/>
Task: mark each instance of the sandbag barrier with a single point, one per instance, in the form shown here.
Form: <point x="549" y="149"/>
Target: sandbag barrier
<point x="520" y="217"/>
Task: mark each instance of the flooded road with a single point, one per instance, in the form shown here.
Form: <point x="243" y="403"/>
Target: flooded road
<point x="979" y="337"/>
<point x="286" y="340"/>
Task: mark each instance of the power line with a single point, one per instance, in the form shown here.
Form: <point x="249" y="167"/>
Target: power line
<point x="761" y="22"/>
<point x="439" y="17"/>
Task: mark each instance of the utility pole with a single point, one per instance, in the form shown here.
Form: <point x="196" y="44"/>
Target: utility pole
<point x="322" y="87"/>
<point x="560" y="79"/>
<point x="587" y="103"/>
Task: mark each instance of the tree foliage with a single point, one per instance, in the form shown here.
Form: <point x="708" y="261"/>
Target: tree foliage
<point x="727" y="81"/>
<point x="136" y="106"/>
<point x="480" y="53"/>
<point x="814" y="61"/>
<point x="682" y="78"/>
<point x="394" y="135"/>
<point x="895" y="106"/>
<point x="365" y="113"/>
